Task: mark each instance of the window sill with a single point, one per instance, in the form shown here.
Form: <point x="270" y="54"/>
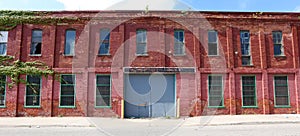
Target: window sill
<point x="67" y="107"/>
<point x="213" y="55"/>
<point x="217" y="107"/>
<point x="179" y="55"/>
<point x="287" y="106"/>
<point x="251" y="65"/>
<point x="32" y="107"/>
<point x="142" y="55"/>
<point x="2" y="107"/>
<point x="103" y="55"/>
<point x="69" y="55"/>
<point x="35" y="55"/>
<point x="279" y="56"/>
<point x="254" y="107"/>
<point x="102" y="107"/>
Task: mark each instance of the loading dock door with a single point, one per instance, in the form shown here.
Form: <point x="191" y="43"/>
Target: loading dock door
<point x="149" y="95"/>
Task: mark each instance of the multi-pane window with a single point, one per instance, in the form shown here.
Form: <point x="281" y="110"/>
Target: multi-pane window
<point x="281" y="91"/>
<point x="212" y="42"/>
<point x="36" y="42"/>
<point x="277" y="41"/>
<point x="248" y="91"/>
<point x="67" y="91"/>
<point x="245" y="47"/>
<point x="103" y="90"/>
<point x="3" y="42"/>
<point x="33" y="91"/>
<point x="70" y="42"/>
<point x="2" y="90"/>
<point x="104" y="41"/>
<point x="215" y="91"/>
<point x="141" y="42"/>
<point x="178" y="42"/>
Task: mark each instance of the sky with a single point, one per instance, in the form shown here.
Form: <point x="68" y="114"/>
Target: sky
<point x="199" y="5"/>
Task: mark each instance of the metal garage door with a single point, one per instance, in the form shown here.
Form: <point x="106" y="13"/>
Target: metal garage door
<point x="149" y="95"/>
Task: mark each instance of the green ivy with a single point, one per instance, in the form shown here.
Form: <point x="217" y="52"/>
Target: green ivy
<point x="14" y="68"/>
<point x="10" y="19"/>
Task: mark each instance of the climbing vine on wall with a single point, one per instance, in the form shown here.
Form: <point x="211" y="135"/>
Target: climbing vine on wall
<point x="10" y="19"/>
<point x="14" y="68"/>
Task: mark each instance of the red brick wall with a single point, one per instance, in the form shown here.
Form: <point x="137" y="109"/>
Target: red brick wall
<point x="191" y="88"/>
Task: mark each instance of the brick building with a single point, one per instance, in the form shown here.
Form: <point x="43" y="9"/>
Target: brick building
<point x="157" y="63"/>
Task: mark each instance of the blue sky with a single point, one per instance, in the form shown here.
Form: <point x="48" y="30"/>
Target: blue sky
<point x="212" y="5"/>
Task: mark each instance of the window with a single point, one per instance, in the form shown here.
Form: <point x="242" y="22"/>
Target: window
<point x="141" y="42"/>
<point x="3" y="42"/>
<point x="67" y="91"/>
<point x="70" y="42"/>
<point x="104" y="41"/>
<point x="36" y="42"/>
<point x="281" y="91"/>
<point x="248" y="91"/>
<point x="277" y="41"/>
<point x="212" y="42"/>
<point x="33" y="91"/>
<point x="178" y="42"/>
<point x="215" y="91"/>
<point x="103" y="90"/>
<point x="245" y="46"/>
<point x="2" y="90"/>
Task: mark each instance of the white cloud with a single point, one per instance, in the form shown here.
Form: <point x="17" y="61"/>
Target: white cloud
<point x="121" y="4"/>
<point x="88" y="4"/>
<point x="141" y="5"/>
<point x="243" y="4"/>
<point x="297" y="9"/>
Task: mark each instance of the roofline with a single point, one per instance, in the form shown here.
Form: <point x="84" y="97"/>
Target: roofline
<point x="167" y="11"/>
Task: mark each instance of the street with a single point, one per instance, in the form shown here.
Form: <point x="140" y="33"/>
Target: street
<point x="152" y="129"/>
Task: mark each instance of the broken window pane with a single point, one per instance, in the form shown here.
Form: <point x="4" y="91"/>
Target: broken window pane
<point x="3" y="42"/>
<point x="70" y="42"/>
<point x="36" y="42"/>
<point x="179" y="42"/>
<point x="277" y="41"/>
<point x="104" y="41"/>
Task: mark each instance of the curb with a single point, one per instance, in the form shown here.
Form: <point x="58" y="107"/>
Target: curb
<point x="40" y="126"/>
<point x="246" y="123"/>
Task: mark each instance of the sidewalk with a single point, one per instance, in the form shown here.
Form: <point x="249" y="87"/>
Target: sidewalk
<point x="243" y="119"/>
<point x="188" y="121"/>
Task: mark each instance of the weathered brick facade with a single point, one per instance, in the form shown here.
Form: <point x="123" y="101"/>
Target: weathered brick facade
<point x="191" y="88"/>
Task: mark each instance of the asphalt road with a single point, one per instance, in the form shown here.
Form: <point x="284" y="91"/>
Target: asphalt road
<point x="151" y="129"/>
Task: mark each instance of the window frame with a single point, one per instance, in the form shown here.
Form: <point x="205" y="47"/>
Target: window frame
<point x="5" y="91"/>
<point x="65" y="44"/>
<point x="73" y="106"/>
<point x="281" y="44"/>
<point x="110" y="91"/>
<point x="25" y="95"/>
<point x="179" y="42"/>
<point x="101" y="41"/>
<point x="208" y="89"/>
<point x="288" y="91"/>
<point x="138" y="43"/>
<point x="32" y="31"/>
<point x="4" y="42"/>
<point x="255" y="91"/>
<point x="249" y="46"/>
<point x="217" y="42"/>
